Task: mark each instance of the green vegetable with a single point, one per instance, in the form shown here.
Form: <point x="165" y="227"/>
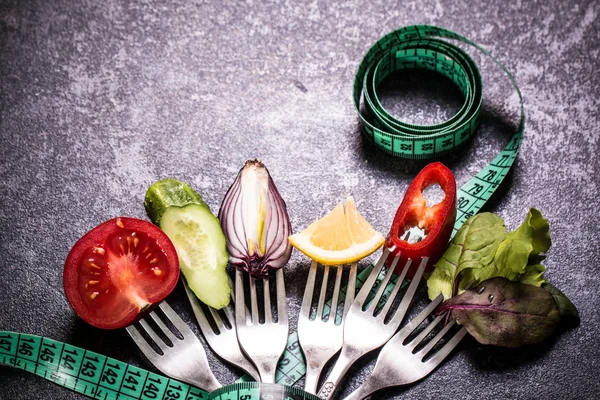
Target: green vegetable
<point x="505" y="313"/>
<point x="196" y="234"/>
<point x="482" y="249"/>
<point x="569" y="316"/>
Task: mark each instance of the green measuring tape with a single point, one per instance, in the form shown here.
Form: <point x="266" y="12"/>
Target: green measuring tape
<point x="422" y="47"/>
<point x="105" y="378"/>
<point x="411" y="47"/>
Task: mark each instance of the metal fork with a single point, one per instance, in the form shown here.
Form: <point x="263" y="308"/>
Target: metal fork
<point x="364" y="329"/>
<point x="184" y="359"/>
<point x="264" y="342"/>
<point x="221" y="335"/>
<point x="399" y="364"/>
<point x="319" y="339"/>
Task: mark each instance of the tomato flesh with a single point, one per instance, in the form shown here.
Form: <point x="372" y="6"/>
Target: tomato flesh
<point x="117" y="270"/>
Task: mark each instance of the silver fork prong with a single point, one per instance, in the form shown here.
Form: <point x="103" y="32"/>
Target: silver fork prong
<point x="185" y="359"/>
<point x="176" y="320"/>
<point x="421" y="336"/>
<point x="334" y="298"/>
<point x="436" y="339"/>
<point x="263" y="343"/>
<point x="383" y="285"/>
<point x="395" y="291"/>
<point x="362" y="332"/>
<point x="267" y="301"/>
<point x="222" y="335"/>
<point x="142" y="344"/>
<point x="361" y="297"/>
<point x="240" y="300"/>
<point x="217" y="318"/>
<point x="416" y="321"/>
<point x="153" y="335"/>
<point x="161" y="325"/>
<point x="447" y="348"/>
<point x="412" y="288"/>
<point x="253" y="301"/>
<point x="323" y="292"/>
<point x="282" y="313"/>
<point x="196" y="308"/>
<point x="308" y="291"/>
<point x="350" y="288"/>
<point x="397" y="365"/>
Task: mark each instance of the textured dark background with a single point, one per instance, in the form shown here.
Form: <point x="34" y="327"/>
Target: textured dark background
<point x="98" y="99"/>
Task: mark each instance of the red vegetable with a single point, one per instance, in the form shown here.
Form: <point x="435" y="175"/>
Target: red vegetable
<point x="436" y="221"/>
<point x="119" y="269"/>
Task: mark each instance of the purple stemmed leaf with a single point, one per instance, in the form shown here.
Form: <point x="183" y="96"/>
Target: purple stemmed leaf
<point x="505" y="313"/>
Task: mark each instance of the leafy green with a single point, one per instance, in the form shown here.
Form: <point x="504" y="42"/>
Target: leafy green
<point x="482" y="249"/>
<point x="472" y="247"/>
<point x="504" y="313"/>
<point x="569" y="316"/>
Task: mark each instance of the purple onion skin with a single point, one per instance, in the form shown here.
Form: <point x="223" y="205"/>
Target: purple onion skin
<point x="277" y="253"/>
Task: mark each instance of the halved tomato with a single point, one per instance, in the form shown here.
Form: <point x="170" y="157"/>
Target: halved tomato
<point x="119" y="269"/>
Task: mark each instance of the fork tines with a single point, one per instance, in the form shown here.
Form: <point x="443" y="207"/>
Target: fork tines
<point x="379" y="303"/>
<point x="409" y="356"/>
<point x="330" y="311"/>
<point x="262" y="338"/>
<point x="181" y="356"/>
<point x="321" y="337"/>
<point x="371" y="320"/>
<point x="218" y="328"/>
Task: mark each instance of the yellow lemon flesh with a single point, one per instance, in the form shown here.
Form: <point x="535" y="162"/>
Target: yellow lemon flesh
<point x="341" y="237"/>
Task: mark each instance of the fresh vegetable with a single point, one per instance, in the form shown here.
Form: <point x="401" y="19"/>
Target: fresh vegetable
<point x="341" y="237"/>
<point x="118" y="270"/>
<point x="504" y="313"/>
<point x="195" y="231"/>
<point x="413" y="214"/>
<point x="483" y="249"/>
<point x="255" y="221"/>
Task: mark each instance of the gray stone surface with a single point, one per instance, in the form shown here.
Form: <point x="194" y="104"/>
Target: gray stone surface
<point x="100" y="99"/>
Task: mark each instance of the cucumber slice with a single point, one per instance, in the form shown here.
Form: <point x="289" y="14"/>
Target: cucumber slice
<point x="196" y="234"/>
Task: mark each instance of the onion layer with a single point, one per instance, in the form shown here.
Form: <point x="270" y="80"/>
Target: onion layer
<point x="255" y="221"/>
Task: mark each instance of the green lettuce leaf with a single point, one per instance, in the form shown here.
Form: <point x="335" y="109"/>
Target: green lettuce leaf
<point x="482" y="249"/>
<point x="569" y="316"/>
<point x="472" y="248"/>
<point x="533" y="275"/>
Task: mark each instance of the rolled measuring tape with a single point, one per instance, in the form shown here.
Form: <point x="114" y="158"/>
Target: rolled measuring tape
<point x="411" y="47"/>
<point x="423" y="47"/>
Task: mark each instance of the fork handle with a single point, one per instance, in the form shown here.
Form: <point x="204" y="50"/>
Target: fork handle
<point x="366" y="389"/>
<point x="311" y="380"/>
<point x="347" y="357"/>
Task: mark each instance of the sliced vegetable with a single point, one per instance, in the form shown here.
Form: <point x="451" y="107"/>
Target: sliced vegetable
<point x="195" y="231"/>
<point x="255" y="221"/>
<point x="119" y="269"/>
<point x="482" y="249"/>
<point x="414" y="215"/>
<point x="341" y="237"/>
<point x="504" y="313"/>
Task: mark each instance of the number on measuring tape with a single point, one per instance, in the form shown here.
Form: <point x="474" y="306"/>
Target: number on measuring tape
<point x="89" y="373"/>
<point x="411" y="47"/>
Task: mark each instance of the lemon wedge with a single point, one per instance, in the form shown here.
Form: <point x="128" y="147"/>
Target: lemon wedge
<point x="341" y="237"/>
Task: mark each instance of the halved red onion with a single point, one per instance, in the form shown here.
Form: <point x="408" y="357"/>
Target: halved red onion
<point x="255" y="221"/>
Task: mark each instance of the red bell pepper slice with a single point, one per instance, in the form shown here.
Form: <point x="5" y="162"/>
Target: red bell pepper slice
<point x="437" y="221"/>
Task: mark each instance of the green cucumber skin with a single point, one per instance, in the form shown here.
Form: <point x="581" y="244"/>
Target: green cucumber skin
<point x="168" y="193"/>
<point x="169" y="201"/>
